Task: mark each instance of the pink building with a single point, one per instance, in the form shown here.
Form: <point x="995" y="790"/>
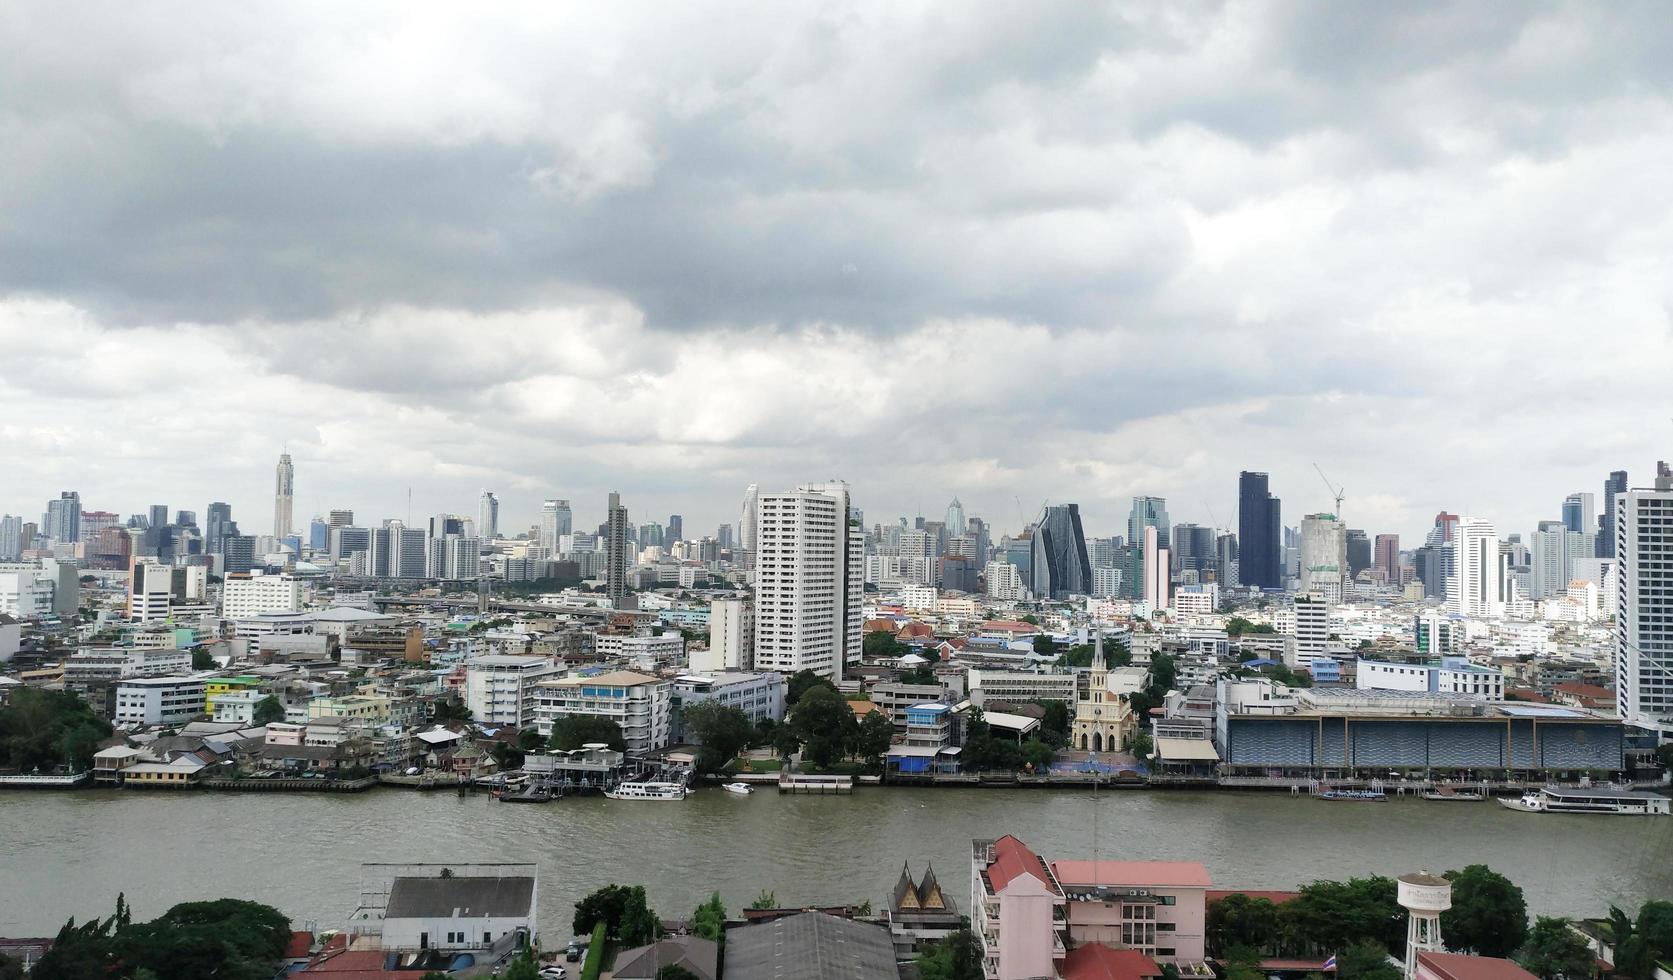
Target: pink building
<point x="1016" y="911"/>
<point x="1457" y="966"/>
<point x="1158" y="908"/>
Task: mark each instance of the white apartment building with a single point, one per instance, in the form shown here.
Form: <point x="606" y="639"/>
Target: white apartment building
<point x="1477" y="584"/>
<point x="731" y="639"/>
<point x="1005" y="582"/>
<point x="919" y="598"/>
<point x="1018" y="686"/>
<point x="1194" y="600"/>
<point x="1644" y="605"/>
<point x="500" y="688"/>
<point x="641" y="704"/>
<point x="643" y="651"/>
<point x="1106" y="582"/>
<point x="808" y="565"/>
<point x="892" y="570"/>
<point x="91" y="665"/>
<point x="1312" y="630"/>
<point x="142" y="701"/>
<point x="150" y="591"/>
<point x="758" y="696"/>
<point x="247" y="594"/>
<point x="24" y="592"/>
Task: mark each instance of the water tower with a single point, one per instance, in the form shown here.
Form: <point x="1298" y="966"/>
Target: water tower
<point x="1424" y="896"/>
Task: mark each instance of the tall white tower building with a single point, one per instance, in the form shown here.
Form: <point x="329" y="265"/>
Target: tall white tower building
<point x="488" y="515"/>
<point x="284" y="489"/>
<point x="555" y="521"/>
<point x="1324" y="556"/>
<point x="746" y="524"/>
<point x="1477" y="584"/>
<point x="1644" y="605"/>
<point x="809" y="572"/>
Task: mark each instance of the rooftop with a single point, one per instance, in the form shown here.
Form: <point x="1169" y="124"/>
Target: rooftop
<point x="1012" y="859"/>
<point x="810" y="946"/>
<point x="1096" y="961"/>
<point x="1166" y="874"/>
<point x="1458" y="966"/>
<point x="460" y="897"/>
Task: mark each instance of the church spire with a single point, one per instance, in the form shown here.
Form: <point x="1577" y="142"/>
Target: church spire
<point x="1098" y="652"/>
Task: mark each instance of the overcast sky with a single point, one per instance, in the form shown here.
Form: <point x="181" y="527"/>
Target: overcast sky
<point x="1063" y="252"/>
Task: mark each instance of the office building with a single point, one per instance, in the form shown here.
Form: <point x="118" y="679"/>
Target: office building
<point x="1192" y="548"/>
<point x="488" y="516"/>
<point x="1358" y="553"/>
<point x="1580" y="513"/>
<point x="244" y="596"/>
<point x="1149" y="512"/>
<point x="95" y="522"/>
<point x="809" y="573"/>
<point x="144" y="701"/>
<point x="63" y="518"/>
<point x="238" y="553"/>
<point x="675" y="529"/>
<point x="1228" y="561"/>
<point x="1612" y="487"/>
<point x="556" y="522"/>
<point x="340" y="518"/>
<point x="1477" y="584"/>
<point x="284" y="489"/>
<point x="319" y="534"/>
<point x="956" y="523"/>
<point x="1156" y="576"/>
<point x="1644" y="605"/>
<point x="1259" y="533"/>
<point x="758" y="696"/>
<point x="1060" y="566"/>
<point x="1386" y="558"/>
<point x="1312" y="630"/>
<point x="217" y="525"/>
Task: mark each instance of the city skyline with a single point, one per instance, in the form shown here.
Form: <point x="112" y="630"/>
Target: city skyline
<point x="1073" y="253"/>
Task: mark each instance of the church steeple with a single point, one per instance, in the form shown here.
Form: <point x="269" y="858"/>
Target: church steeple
<point x="1098" y="663"/>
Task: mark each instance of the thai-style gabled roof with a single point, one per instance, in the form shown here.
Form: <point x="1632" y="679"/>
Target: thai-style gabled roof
<point x="929" y="891"/>
<point x="906" y="893"/>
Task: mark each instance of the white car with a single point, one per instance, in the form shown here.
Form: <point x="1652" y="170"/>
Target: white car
<point x="553" y="973"/>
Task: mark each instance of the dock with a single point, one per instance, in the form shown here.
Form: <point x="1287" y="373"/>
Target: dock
<point x="801" y="783"/>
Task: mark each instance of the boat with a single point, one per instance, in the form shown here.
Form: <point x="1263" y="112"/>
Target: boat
<point x="1587" y="800"/>
<point x="528" y="794"/>
<point x="1353" y="795"/>
<point x="742" y="789"/>
<point x="647" y="791"/>
<point x="1447" y="794"/>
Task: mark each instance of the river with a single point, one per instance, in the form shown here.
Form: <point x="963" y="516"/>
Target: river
<point x="69" y="853"/>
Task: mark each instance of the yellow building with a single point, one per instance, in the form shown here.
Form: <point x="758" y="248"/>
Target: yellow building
<point x="214" y="687"/>
<point x="1104" y="720"/>
<point x="369" y="708"/>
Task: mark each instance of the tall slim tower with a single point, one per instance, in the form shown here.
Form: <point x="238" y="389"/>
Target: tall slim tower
<point x="488" y="515"/>
<point x="615" y="551"/>
<point x="1616" y="484"/>
<point x="809" y="572"/>
<point x="1477" y="584"/>
<point x="1259" y="533"/>
<point x="284" y="488"/>
<point x="1424" y="896"/>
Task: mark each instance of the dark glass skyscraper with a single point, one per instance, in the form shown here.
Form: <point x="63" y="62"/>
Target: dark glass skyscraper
<point x="1060" y="565"/>
<point x="1617" y="483"/>
<point x="1259" y="533"/>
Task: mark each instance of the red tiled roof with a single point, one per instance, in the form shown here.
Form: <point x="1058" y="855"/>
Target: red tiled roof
<point x="300" y="943"/>
<point x="1167" y="874"/>
<point x="1275" y="897"/>
<point x="1010" y="626"/>
<point x="1457" y="966"/>
<point x="1584" y="690"/>
<point x="349" y="961"/>
<point x="1095" y="961"/>
<point x="1012" y="858"/>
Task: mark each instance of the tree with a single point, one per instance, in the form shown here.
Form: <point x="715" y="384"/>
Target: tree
<point x="1655" y="930"/>
<point x="874" y="736"/>
<point x="1037" y="755"/>
<point x="765" y="900"/>
<point x="201" y="660"/>
<point x="720" y="731"/>
<point x="572" y="732"/>
<point x="1030" y="619"/>
<point x="1054" y="722"/>
<point x="1367" y="960"/>
<point x="674" y="971"/>
<point x="709" y="919"/>
<point x="606" y="905"/>
<point x="1488" y="915"/>
<point x="1044" y="645"/>
<point x="1338" y="914"/>
<point x="1240" y="921"/>
<point x="801" y="682"/>
<point x="523" y="967"/>
<point x="924" y="674"/>
<point x="1163" y="669"/>
<point x="1142" y="744"/>
<point x="955" y="958"/>
<point x="448" y="709"/>
<point x="881" y="645"/>
<point x="42" y="729"/>
<point x="1629" y="952"/>
<point x="267" y="711"/>
<point x="10" y="969"/>
<point x="639" y="924"/>
<point x="824" y="724"/>
<point x="1554" y="951"/>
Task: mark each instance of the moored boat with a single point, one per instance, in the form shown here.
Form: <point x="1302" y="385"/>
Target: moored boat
<point x="1585" y="800"/>
<point x="742" y="789"/>
<point x="1352" y="795"/>
<point x="1447" y="794"/>
<point x="647" y="791"/>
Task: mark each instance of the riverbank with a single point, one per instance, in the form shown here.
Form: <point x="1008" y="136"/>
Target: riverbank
<point x="72" y="852"/>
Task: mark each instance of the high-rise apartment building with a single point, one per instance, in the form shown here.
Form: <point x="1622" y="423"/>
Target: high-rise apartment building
<point x="1612" y="487"/>
<point x="11" y="538"/>
<point x="731" y="638"/>
<point x="63" y="518"/>
<point x="1156" y="573"/>
<point x="1477" y="584"/>
<point x="809" y="572"/>
<point x="1229" y="565"/>
<point x="1059" y="566"/>
<point x="556" y="521"/>
<point x="284" y="490"/>
<point x="1259" y="533"/>
<point x="488" y="515"/>
<point x="615" y="551"/>
<point x="1644" y="605"/>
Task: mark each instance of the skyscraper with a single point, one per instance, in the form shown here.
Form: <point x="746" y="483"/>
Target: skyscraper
<point x="956" y="524"/>
<point x="1387" y="557"/>
<point x="1616" y="484"/>
<point x="1359" y="552"/>
<point x="1192" y="548"/>
<point x="746" y="525"/>
<point x="1579" y="513"/>
<point x="1644" y="605"/>
<point x="11" y="538"/>
<point x="217" y="524"/>
<point x="1149" y="512"/>
<point x="284" y="489"/>
<point x="488" y="515"/>
<point x="675" y="530"/>
<point x="1156" y="577"/>
<point x="1324" y="556"/>
<point x="615" y="551"/>
<point x="1259" y="533"/>
<point x="1060" y="566"/>
<point x="340" y="518"/>
<point x="1477" y="584"/>
<point x="555" y="522"/>
<point x="809" y="573"/>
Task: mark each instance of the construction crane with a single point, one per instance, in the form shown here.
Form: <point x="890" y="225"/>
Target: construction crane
<point x="1335" y="491"/>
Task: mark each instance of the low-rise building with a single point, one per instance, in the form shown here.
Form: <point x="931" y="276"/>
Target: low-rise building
<point x="1156" y="907"/>
<point x="1449" y="675"/>
<point x="500" y="689"/>
<point x="640" y="704"/>
<point x="1019" y="686"/>
<point x="143" y="701"/>
<point x="894" y="698"/>
<point x="810" y="945"/>
<point x="462" y="907"/>
<point x="758" y="696"/>
<point x="1017" y="911"/>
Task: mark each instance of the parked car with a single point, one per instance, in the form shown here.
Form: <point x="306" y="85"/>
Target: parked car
<point x="553" y="972"/>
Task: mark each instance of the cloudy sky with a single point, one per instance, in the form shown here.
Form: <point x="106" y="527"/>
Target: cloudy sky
<point x="1063" y="252"/>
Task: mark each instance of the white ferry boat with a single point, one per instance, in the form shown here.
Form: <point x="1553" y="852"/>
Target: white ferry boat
<point x="647" y="791"/>
<point x="1632" y="802"/>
